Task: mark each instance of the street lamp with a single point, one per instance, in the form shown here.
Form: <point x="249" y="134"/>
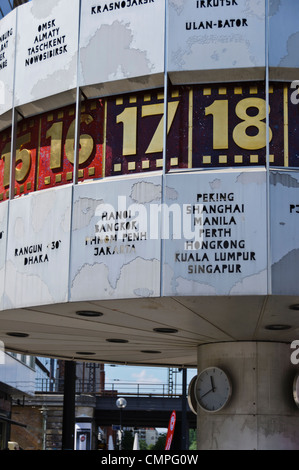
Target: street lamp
<point x="121" y="403"/>
<point x="43" y="411"/>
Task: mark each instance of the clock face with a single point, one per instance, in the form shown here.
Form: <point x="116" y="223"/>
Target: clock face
<point x="212" y="389"/>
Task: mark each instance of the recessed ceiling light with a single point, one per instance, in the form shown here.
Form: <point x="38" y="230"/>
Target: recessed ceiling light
<point x="116" y="340"/>
<point x="165" y="330"/>
<point x="85" y="353"/>
<point x="294" y="307"/>
<point x="89" y="313"/>
<point x="277" y="327"/>
<point x="151" y="351"/>
<point x="17" y="334"/>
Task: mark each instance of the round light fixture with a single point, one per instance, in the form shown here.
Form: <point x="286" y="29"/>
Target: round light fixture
<point x="150" y="351"/>
<point x="88" y="313"/>
<point x="17" y="334"/>
<point x="117" y="340"/>
<point x="165" y="330"/>
<point x="121" y="402"/>
<point x="85" y="353"/>
<point x="277" y="327"/>
<point x="294" y="307"/>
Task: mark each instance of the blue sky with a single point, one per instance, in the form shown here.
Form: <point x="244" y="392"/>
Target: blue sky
<point x="5" y="7"/>
<point x="151" y="376"/>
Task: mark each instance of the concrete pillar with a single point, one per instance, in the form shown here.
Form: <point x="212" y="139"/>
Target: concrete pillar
<point x="261" y="413"/>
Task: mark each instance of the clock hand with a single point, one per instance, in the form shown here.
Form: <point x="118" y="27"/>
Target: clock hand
<point x="206" y="393"/>
<point x="212" y="383"/>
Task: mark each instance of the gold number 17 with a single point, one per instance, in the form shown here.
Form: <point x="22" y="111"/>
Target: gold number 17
<point x="129" y="120"/>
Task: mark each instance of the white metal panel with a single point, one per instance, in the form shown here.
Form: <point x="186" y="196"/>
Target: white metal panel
<point x="121" y="45"/>
<point x="222" y="248"/>
<point x="284" y="41"/>
<point x="47" y="44"/>
<point x="3" y="241"/>
<point x="113" y="255"/>
<point x="212" y="36"/>
<point x="7" y="55"/>
<point x="285" y="231"/>
<point x="37" y="261"/>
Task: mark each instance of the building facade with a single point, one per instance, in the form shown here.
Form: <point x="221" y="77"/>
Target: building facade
<point x="17" y="381"/>
<point x="149" y="198"/>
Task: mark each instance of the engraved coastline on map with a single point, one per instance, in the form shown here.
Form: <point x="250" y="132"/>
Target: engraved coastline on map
<point x="111" y="240"/>
<point x="216" y="34"/>
<point x="46" y="51"/>
<point x="7" y="46"/>
<point x="121" y="40"/>
<point x="284" y="42"/>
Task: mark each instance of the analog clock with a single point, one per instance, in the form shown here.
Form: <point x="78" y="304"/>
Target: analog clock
<point x="212" y="389"/>
<point x="296" y="389"/>
<point x="191" y="395"/>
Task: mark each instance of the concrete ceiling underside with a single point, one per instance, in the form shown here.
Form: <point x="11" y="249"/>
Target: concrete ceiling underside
<point x="126" y="332"/>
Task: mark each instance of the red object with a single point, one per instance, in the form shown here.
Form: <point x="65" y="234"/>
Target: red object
<point x="170" y="431"/>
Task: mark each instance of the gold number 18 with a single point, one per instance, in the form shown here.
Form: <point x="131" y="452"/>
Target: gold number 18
<point x="219" y="110"/>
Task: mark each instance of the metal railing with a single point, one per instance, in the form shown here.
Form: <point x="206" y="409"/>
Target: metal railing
<point x="144" y="389"/>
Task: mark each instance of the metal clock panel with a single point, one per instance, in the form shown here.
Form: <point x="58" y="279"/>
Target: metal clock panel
<point x="212" y="389"/>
